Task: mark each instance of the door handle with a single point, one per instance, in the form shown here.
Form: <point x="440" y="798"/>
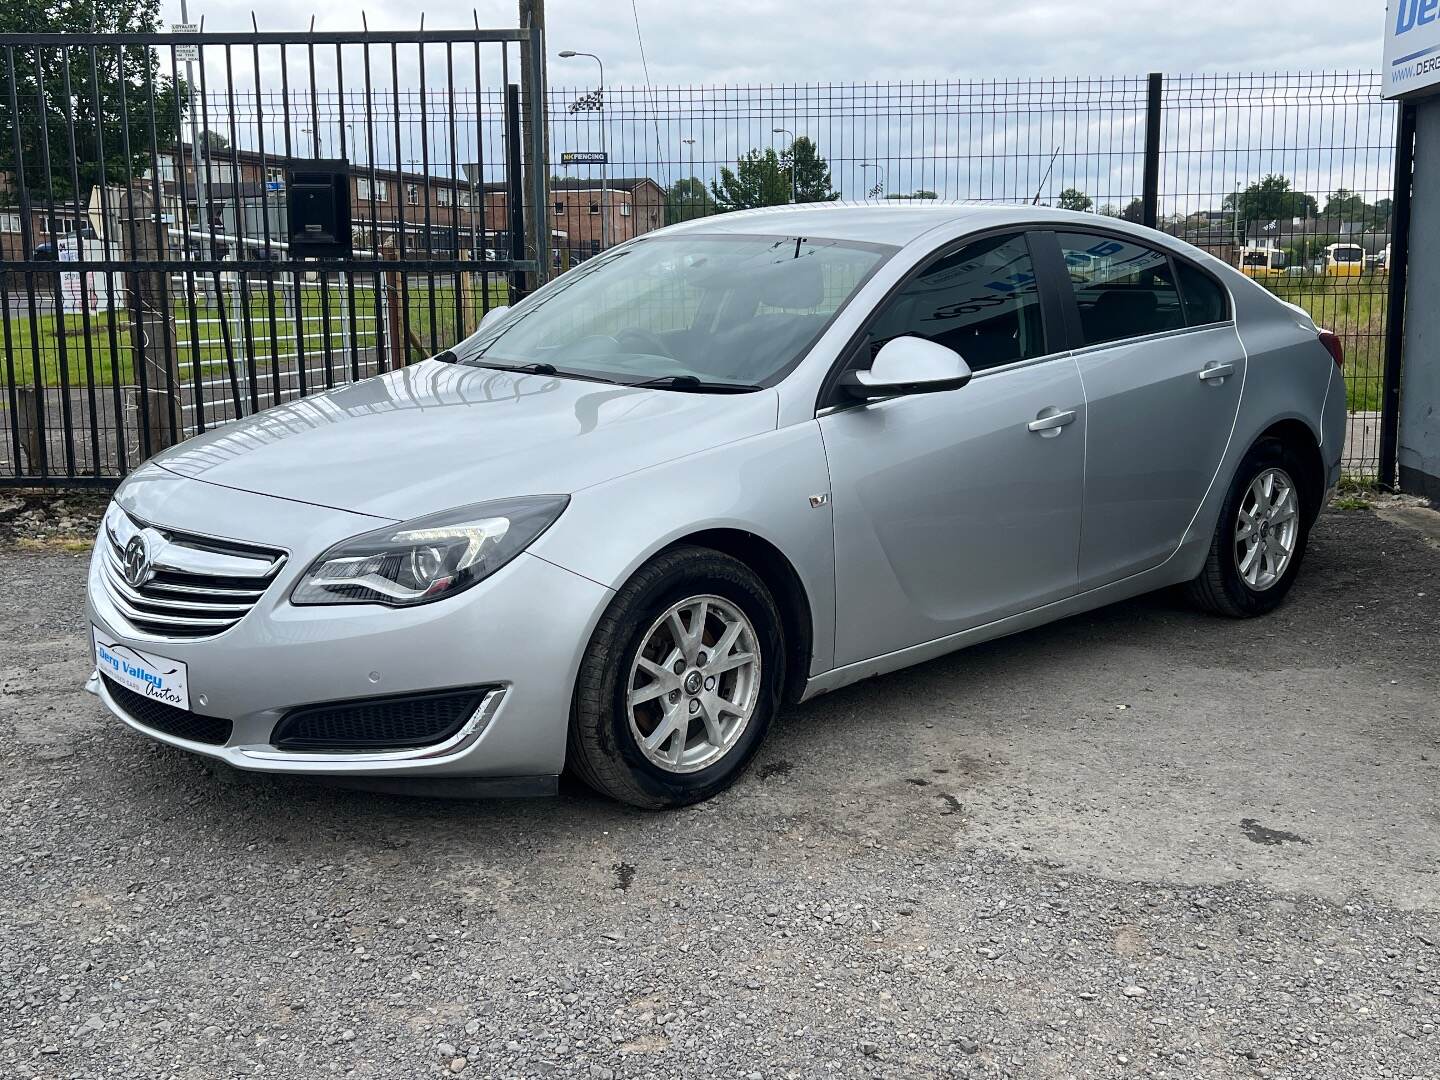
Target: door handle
<point x="1050" y="420"/>
<point x="1215" y="371"/>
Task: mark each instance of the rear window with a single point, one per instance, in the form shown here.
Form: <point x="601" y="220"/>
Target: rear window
<point x="1205" y="300"/>
<point x="1123" y="289"/>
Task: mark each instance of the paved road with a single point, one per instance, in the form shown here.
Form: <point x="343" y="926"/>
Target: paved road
<point x="1141" y="842"/>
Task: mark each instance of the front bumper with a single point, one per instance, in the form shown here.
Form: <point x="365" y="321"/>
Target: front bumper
<point x="522" y="631"/>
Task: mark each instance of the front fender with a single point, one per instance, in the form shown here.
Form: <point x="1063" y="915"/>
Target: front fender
<point x="761" y="485"/>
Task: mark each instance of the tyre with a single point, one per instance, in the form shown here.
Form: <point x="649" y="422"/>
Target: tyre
<point x="679" y="683"/>
<point x="1260" y="539"/>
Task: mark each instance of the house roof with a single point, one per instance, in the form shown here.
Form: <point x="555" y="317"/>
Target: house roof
<point x="612" y="183"/>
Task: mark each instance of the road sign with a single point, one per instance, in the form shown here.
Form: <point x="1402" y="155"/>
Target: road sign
<point x="186" y="52"/>
<point x="584" y="157"/>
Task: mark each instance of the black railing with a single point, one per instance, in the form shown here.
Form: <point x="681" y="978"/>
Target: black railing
<point x="178" y="306"/>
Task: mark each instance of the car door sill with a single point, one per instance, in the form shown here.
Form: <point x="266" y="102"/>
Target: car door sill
<point x="1155" y="577"/>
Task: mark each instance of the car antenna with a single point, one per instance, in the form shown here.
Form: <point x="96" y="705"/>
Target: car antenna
<point x="1038" y="190"/>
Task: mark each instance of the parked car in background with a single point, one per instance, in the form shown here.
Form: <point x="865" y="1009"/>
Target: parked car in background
<point x="1344" y="260"/>
<point x="1261" y="262"/>
<point x="722" y="468"/>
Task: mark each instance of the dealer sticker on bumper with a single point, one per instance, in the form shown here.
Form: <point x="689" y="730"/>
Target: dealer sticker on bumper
<point x="154" y="676"/>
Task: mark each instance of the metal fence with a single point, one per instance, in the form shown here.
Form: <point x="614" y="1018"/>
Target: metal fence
<point x="148" y="291"/>
<point x="1291" y="176"/>
<point x="1269" y="170"/>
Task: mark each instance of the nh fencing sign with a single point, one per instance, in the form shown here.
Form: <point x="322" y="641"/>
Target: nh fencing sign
<point x="599" y="157"/>
<point x="1412" y="48"/>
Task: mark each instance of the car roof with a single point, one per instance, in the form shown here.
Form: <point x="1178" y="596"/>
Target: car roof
<point x="897" y="223"/>
<point x="927" y="222"/>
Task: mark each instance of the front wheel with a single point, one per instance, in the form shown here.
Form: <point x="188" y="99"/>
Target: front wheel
<point x="1260" y="538"/>
<point x="679" y="682"/>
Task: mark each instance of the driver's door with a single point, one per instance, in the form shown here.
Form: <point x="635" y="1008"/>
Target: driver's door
<point x="957" y="508"/>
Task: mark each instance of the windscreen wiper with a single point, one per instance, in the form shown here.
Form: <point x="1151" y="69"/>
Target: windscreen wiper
<point x="538" y="367"/>
<point x="693" y="384"/>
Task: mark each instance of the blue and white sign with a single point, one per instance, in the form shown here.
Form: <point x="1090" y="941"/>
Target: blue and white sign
<point x="1412" y="47"/>
<point x="154" y="676"/>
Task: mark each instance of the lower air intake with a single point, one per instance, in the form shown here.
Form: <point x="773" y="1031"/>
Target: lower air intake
<point x="395" y="723"/>
<point x="167" y="719"/>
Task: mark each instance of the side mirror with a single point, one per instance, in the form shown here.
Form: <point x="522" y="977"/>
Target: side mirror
<point x="909" y="365"/>
<point x="491" y="317"/>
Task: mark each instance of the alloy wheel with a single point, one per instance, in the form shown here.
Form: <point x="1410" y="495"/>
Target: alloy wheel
<point x="1266" y="529"/>
<point x="694" y="684"/>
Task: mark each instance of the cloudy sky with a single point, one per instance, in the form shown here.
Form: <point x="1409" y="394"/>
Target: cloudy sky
<point x="782" y="62"/>
<point x="771" y="41"/>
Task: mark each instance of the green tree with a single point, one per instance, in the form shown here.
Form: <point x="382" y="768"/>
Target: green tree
<point x="1135" y="211"/>
<point x="687" y="199"/>
<point x="46" y="112"/>
<point x="758" y="180"/>
<point x="764" y="178"/>
<point x="918" y="193"/>
<point x="1075" y="199"/>
<point x="1271" y="199"/>
<point x="811" y="172"/>
<point x="1352" y="208"/>
<point x="214" y="141"/>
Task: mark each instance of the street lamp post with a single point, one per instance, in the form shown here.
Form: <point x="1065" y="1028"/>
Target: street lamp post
<point x="690" y="197"/>
<point x="567" y="54"/>
<point x="794" y="197"/>
<point x="881" y="170"/>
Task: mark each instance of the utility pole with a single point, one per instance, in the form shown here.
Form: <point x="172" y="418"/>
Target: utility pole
<point x="690" y="187"/>
<point x="794" y="193"/>
<point x="202" y="173"/>
<point x="537" y="218"/>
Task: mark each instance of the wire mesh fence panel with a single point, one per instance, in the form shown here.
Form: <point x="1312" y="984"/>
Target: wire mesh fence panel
<point x="1290" y="177"/>
<point x="1287" y="177"/>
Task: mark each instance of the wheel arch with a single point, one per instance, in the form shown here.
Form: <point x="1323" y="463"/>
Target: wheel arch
<point x="774" y="568"/>
<point x="1300" y="437"/>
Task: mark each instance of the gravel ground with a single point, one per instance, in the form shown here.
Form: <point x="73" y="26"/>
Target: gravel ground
<point x="1140" y="842"/>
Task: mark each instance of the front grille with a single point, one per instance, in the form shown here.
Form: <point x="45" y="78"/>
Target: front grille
<point x="195" y="587"/>
<point x="378" y="723"/>
<point x="167" y="718"/>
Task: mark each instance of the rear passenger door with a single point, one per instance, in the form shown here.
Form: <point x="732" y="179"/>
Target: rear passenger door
<point x="1163" y="368"/>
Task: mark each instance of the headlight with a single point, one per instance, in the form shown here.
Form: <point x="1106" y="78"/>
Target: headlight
<point x="429" y="558"/>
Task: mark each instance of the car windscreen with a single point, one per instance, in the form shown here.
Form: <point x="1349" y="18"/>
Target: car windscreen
<point x="708" y="310"/>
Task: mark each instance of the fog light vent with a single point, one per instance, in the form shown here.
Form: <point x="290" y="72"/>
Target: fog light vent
<point x="389" y="723"/>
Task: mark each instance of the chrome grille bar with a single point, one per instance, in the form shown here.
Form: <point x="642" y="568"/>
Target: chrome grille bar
<point x="197" y="586"/>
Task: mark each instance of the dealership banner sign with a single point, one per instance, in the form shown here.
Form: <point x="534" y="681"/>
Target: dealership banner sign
<point x="1412" y="47"/>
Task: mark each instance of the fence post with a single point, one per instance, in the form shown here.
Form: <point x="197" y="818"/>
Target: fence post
<point x="152" y="325"/>
<point x="394" y="330"/>
<point x="537" y="137"/>
<point x="1154" y="103"/>
<point x="515" y="187"/>
<point x="1397" y="267"/>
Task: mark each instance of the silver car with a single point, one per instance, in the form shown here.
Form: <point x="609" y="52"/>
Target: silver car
<point x="725" y="467"/>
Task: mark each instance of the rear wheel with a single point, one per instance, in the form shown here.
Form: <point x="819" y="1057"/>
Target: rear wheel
<point x="679" y="682"/>
<point x="1260" y="539"/>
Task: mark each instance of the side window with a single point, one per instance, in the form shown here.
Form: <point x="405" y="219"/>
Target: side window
<point x="982" y="301"/>
<point x="1123" y="289"/>
<point x="1205" y="300"/>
